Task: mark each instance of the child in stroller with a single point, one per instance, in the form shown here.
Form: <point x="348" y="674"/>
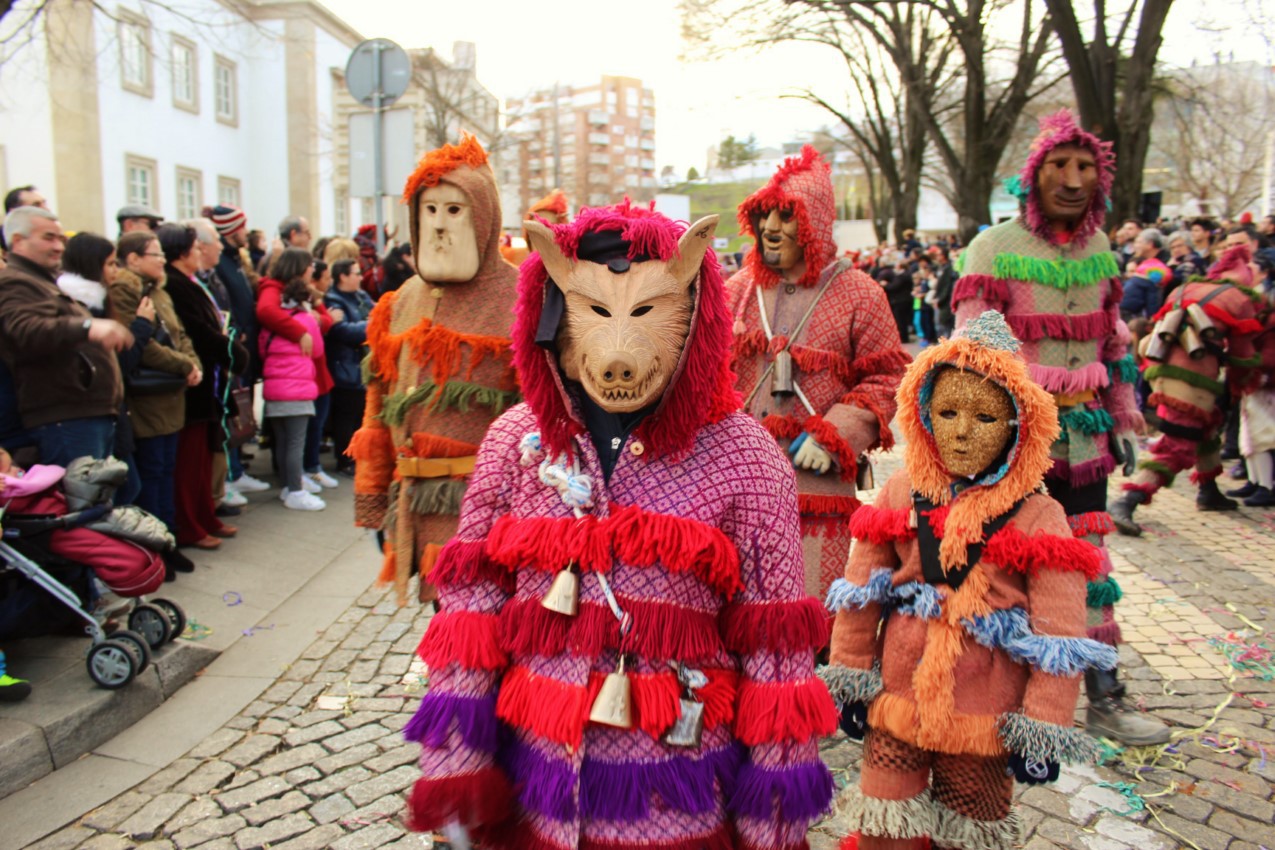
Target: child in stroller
<point x="77" y="524"/>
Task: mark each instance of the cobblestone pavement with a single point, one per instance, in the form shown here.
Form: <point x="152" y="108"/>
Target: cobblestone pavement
<point x="318" y="761"/>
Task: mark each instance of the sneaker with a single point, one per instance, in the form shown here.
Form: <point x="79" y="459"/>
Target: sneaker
<point x="309" y="485"/>
<point x="234" y="498"/>
<point x="13" y="690"/>
<point x="300" y="500"/>
<point x="322" y="478"/>
<point x="1261" y="497"/>
<point x="1244" y="492"/>
<point x="1111" y="717"/>
<point x="247" y="484"/>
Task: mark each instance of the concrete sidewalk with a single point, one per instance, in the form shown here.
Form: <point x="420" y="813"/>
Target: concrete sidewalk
<point x="257" y="603"/>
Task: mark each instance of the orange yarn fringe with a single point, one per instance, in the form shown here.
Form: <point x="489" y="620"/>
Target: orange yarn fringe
<point x="433" y="445"/>
<point x="436" y="163"/>
<point x="435" y="347"/>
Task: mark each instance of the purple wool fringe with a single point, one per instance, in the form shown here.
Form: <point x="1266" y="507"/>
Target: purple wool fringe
<point x="543" y="784"/>
<point x="621" y="791"/>
<point x="802" y="793"/>
<point x="475" y="719"/>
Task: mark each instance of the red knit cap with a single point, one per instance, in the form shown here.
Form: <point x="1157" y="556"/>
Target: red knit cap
<point x="227" y="219"/>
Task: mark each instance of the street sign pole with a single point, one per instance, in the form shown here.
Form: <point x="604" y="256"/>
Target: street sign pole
<point x="377" y="73"/>
<point x="378" y="152"/>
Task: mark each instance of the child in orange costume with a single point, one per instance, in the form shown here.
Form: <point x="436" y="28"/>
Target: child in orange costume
<point x="974" y="677"/>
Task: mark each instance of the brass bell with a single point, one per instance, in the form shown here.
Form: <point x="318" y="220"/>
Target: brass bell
<point x="614" y="705"/>
<point x="564" y="594"/>
<point x="1202" y="323"/>
<point x="781" y="378"/>
<point x="1154" y="347"/>
<point x="1169" y="327"/>
<point x="1192" y="343"/>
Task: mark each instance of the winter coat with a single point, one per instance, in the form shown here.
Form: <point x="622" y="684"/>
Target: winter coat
<point x="169" y="350"/>
<point x="347" y="340"/>
<point x="219" y="357"/>
<point x="287" y="373"/>
<point x="57" y="372"/>
<point x="697" y="534"/>
<point x="274" y="318"/>
<point x="988" y="662"/>
<point x="1141" y="298"/>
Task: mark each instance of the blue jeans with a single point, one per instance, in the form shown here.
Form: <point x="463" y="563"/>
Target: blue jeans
<point x="314" y="432"/>
<point x="62" y="442"/>
<point x="156" y="459"/>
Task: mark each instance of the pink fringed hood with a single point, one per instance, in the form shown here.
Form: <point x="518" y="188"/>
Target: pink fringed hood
<point x="804" y="185"/>
<point x="1061" y="128"/>
<point x="1234" y="266"/>
<point x="702" y="388"/>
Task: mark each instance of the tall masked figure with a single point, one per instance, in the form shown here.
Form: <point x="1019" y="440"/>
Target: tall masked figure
<point x="624" y="654"/>
<point x="817" y="353"/>
<point x="440" y="367"/>
<point x="1052" y="274"/>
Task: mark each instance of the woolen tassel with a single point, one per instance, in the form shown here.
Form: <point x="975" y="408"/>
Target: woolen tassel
<point x="466" y="638"/>
<point x="780" y="427"/>
<point x="881" y="526"/>
<point x="1093" y="522"/>
<point x="788" y="711"/>
<point x="656" y="705"/>
<point x="464" y="562"/>
<point x="622" y="791"/>
<point x="797" y="626"/>
<point x="1100" y="594"/>
<point x="833" y="507"/>
<point x="1082" y="474"/>
<point x="474" y="799"/>
<point x="801" y="792"/>
<point x="826" y="435"/>
<point x="543" y="706"/>
<point x="389" y="564"/>
<point x="719" y="697"/>
<point x="660" y="630"/>
<point x="474" y="718"/>
<point x="1014" y="551"/>
<point x="383" y="350"/>
<point x="885" y="436"/>
<point x="749" y="344"/>
<point x="983" y="287"/>
<point x="544" y="784"/>
<point x="682" y="545"/>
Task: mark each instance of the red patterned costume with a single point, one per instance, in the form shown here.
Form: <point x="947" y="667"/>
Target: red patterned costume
<point x="847" y="359"/>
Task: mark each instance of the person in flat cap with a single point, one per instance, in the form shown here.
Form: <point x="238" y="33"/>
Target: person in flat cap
<point x="137" y="217"/>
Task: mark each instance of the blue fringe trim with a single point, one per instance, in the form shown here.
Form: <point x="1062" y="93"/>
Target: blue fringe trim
<point x="1009" y="630"/>
<point x="1046" y="741"/>
<point x="850" y="684"/>
<point x="919" y="600"/>
<point x="844" y="595"/>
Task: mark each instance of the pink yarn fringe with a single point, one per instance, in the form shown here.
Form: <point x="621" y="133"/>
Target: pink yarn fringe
<point x="1089" y="472"/>
<point x="984" y="286"/>
<point x="1030" y="327"/>
<point x="1059" y="379"/>
<point x="1108" y="633"/>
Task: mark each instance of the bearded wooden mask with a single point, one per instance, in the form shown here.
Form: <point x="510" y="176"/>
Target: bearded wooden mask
<point x="776" y="231"/>
<point x="446" y="244"/>
<point x="625" y="322"/>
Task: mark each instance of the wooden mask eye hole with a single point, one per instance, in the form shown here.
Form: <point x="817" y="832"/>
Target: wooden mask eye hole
<point x="601" y="312"/>
<point x="642" y="311"/>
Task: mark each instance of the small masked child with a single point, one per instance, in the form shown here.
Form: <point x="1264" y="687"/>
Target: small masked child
<point x="973" y="678"/>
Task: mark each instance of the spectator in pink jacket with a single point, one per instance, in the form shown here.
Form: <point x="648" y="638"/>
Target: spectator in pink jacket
<point x="291" y="377"/>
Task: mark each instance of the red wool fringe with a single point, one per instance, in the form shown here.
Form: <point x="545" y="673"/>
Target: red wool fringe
<point x="1014" y="551"/>
<point x="1094" y="522"/>
<point x="660" y="630"/>
<point x="826" y="435"/>
<point x="656" y="700"/>
<point x="635" y="536"/>
<point x="981" y="286"/>
<point x="774" y="713"/>
<point x="464" y="637"/>
<point x="781" y="427"/>
<point x="718" y="697"/>
<point x="891" y="360"/>
<point x="466" y="562"/>
<point x="798" y="626"/>
<point x="1180" y="406"/>
<point x="938" y="519"/>
<point x="885" y="437"/>
<point x="881" y="525"/>
<point x="1147" y="490"/>
<point x="1108" y="633"/>
<point x="1030" y="327"/>
<point x="749" y="344"/>
<point x="1198" y="477"/>
<point x="475" y="799"/>
<point x="813" y="505"/>
<point x="543" y="706"/>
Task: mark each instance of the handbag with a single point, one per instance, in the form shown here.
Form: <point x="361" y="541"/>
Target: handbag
<point x="146" y="381"/>
<point x="242" y="424"/>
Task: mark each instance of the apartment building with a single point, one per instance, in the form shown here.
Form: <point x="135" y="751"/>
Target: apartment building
<point x="595" y="142"/>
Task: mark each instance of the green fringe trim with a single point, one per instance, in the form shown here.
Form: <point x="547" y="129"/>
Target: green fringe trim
<point x="1060" y="273"/>
<point x="914" y="818"/>
<point x="455" y="395"/>
<point x="1209" y="446"/>
<point x="959" y="264"/>
<point x="438" y="496"/>
<point x="1159" y="469"/>
<point x="1046" y="741"/>
<point x="957" y="830"/>
<point x="1097" y="421"/>
<point x="368" y="367"/>
<point x="1195" y="379"/>
<point x="1245" y="362"/>
<point x="1123" y="371"/>
<point x="391" y="515"/>
<point x="1100" y="594"/>
<point x="848" y="684"/>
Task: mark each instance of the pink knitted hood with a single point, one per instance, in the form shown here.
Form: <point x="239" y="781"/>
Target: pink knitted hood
<point x="1061" y="128"/>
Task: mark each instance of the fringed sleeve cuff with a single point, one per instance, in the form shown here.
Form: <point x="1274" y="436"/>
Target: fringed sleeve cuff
<point x="1014" y="551"/>
<point x="467" y="638"/>
<point x="850" y="684"/>
<point x="1046" y="741"/>
<point x="784" y="712"/>
<point x="827" y="436"/>
<point x="778" y="626"/>
<point x="479" y="799"/>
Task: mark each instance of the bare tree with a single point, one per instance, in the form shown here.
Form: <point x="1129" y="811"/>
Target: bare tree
<point x="1113" y="74"/>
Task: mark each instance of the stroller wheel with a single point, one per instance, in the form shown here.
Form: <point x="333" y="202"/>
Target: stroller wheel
<point x="112" y="664"/>
<point x="137" y="643"/>
<point x="151" y="623"/>
<point x="176" y="616"/>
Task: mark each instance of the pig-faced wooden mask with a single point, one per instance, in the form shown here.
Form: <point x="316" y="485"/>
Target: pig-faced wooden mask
<point x="625" y="322"/>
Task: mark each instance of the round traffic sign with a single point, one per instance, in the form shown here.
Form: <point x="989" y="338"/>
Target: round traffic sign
<point x="361" y="76"/>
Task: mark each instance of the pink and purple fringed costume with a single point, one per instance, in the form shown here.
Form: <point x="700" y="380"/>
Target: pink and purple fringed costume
<point x="697" y="534"/>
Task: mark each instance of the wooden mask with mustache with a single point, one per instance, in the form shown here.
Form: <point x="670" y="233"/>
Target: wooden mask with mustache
<point x="625" y="321"/>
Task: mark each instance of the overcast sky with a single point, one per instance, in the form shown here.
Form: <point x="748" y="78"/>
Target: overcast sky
<point x="523" y="46"/>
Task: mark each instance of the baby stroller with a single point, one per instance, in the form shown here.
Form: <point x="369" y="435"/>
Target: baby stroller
<point x="46" y="530"/>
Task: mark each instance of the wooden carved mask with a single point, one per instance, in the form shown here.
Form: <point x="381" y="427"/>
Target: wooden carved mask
<point x="446" y="245"/>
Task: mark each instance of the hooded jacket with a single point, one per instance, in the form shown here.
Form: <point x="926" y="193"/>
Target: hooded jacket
<point x="696" y="534"/>
<point x="994" y="664"/>
<point x="434" y="385"/>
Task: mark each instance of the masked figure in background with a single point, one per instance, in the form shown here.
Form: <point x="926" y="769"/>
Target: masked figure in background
<point x="440" y="367"/>
<point x="973" y="680"/>
<point x="624" y="655"/>
<point x="1205" y="327"/>
<point x="817" y="354"/>
<point x="551" y="208"/>
<point x="1052" y="274"/>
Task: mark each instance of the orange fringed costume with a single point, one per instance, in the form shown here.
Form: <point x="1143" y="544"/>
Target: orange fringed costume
<point x="984" y="641"/>
<point x="552" y="208"/>
<point x="438" y="373"/>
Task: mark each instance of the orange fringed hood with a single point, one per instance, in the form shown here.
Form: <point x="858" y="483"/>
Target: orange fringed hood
<point x="988" y="348"/>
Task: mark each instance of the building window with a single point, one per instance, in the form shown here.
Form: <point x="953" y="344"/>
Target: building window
<point x="190" y="193"/>
<point x="135" y="53"/>
<point x="185" y="62"/>
<point x="142" y="183"/>
<point x="226" y="90"/>
<point x="228" y="192"/>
